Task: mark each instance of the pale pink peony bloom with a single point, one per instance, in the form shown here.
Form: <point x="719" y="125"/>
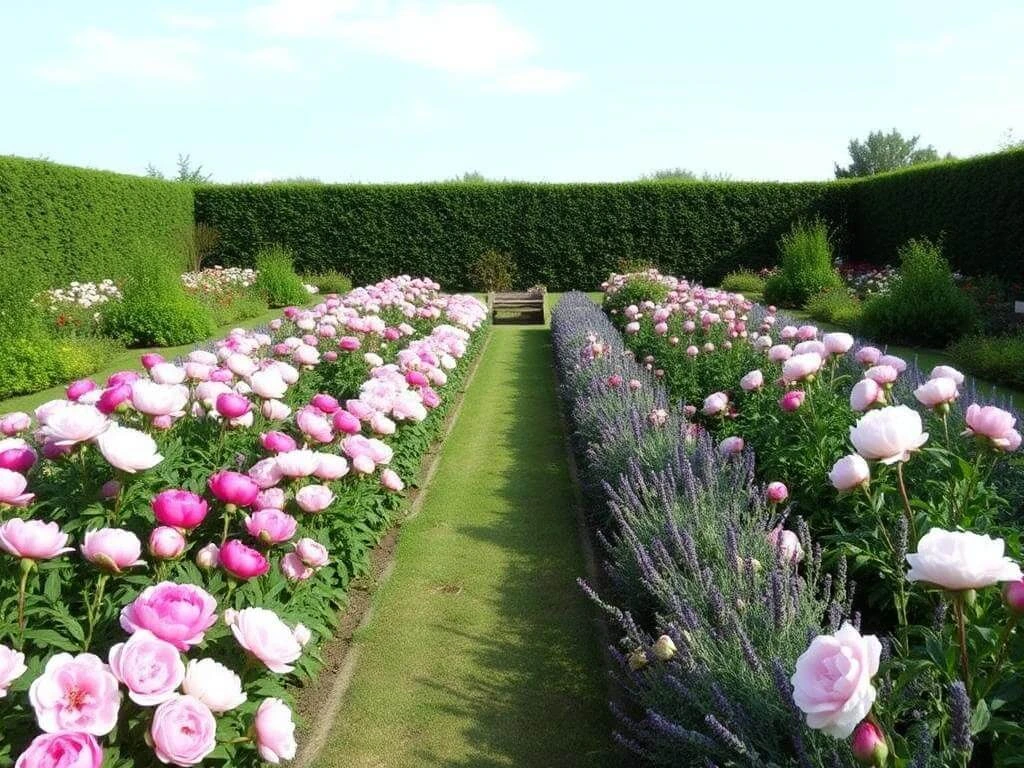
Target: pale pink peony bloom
<point x="112" y="549"/>
<point x="13" y="423"/>
<point x="787" y="544"/>
<point x="12" y="666"/>
<point x="128" y="449"/>
<point x="715" y="404"/>
<point x="882" y="374"/>
<point x="894" y="362"/>
<point x="312" y="553"/>
<point x="806" y="332"/>
<point x="177" y="613"/>
<point x="154" y="399"/>
<point x="275" y="731"/>
<point x="813" y="345"/>
<point x="314" y="498"/>
<point x="658" y="417"/>
<point x="150" y="668"/>
<point x="868" y="356"/>
<point x="293" y="568"/>
<point x="215" y="685"/>
<point x="888" y="434"/>
<point x="792" y="400"/>
<point x="298" y="463"/>
<point x="33" y="539"/>
<point x="780" y="353"/>
<point x="241" y="365"/>
<point x="752" y="381"/>
<point x="12" y="488"/>
<point x="849" y="472"/>
<point x="270" y="497"/>
<point x="993" y="423"/>
<point x="208" y="556"/>
<point x="390" y="480"/>
<point x="275" y="410"/>
<point x="935" y="393"/>
<point x="277" y="442"/>
<point x="865" y="394"/>
<point x="730" y="446"/>
<point x="266" y="473"/>
<point x="62" y="750"/>
<point x="331" y="466"/>
<point x="166" y="543"/>
<point x="262" y="633"/>
<point x="183" y="732"/>
<point x="800" y="367"/>
<point x="961" y="560"/>
<point x="76" y="693"/>
<point x="74" y="423"/>
<point x="837" y="343"/>
<point x="271" y="526"/>
<point x="832" y="681"/>
<point x="947" y="372"/>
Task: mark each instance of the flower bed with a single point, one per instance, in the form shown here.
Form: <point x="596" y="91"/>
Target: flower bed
<point x="925" y="522"/>
<point x="178" y="543"/>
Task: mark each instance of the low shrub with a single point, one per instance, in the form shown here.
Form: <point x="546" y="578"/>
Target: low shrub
<point x="331" y="281"/>
<point x="835" y="306"/>
<point x="743" y="281"/>
<point x="805" y="265"/>
<point x="276" y="280"/>
<point x="493" y="271"/>
<point x="635" y="288"/>
<point x="924" y="305"/>
<point x="234" y="306"/>
<point x="996" y="358"/>
<point x="155" y="309"/>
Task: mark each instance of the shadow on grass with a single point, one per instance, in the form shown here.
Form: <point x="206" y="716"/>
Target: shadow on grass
<point x="549" y="706"/>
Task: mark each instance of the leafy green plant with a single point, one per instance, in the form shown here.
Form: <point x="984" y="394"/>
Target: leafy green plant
<point x="330" y="281"/>
<point x="806" y="265"/>
<point x="233" y="306"/>
<point x="836" y="306"/>
<point x="996" y="358"/>
<point x="493" y="271"/>
<point x="743" y="281"/>
<point x="276" y="280"/>
<point x="155" y="310"/>
<point x="636" y="290"/>
<point x="924" y="305"/>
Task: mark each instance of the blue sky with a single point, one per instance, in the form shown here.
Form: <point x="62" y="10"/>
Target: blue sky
<point x="556" y="90"/>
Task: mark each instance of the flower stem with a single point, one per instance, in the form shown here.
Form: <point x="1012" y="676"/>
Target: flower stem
<point x="961" y="629"/>
<point x="906" y="504"/>
<point x="1004" y="646"/>
<point x="92" y="609"/>
<point x="26" y="568"/>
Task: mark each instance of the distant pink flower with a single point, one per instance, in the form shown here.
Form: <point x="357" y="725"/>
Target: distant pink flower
<point x="948" y="372"/>
<point x="787" y="544"/>
<point x="882" y="374"/>
<point x="14" y="422"/>
<point x="935" y="393"/>
<point x="868" y="356"/>
<point x="715" y="403"/>
<point x="78" y="388"/>
<point x="179" y="508"/>
<point x="780" y="353"/>
<point x="894" y="362"/>
<point x="777" y="492"/>
<point x="75" y="693"/>
<point x="12" y="666"/>
<point x="390" y="480"/>
<point x="233" y="488"/>
<point x="33" y="539"/>
<point x="166" y="543"/>
<point x="866" y="393"/>
<point x="752" y="381"/>
<point x="837" y="343"/>
<point x="792" y="400"/>
<point x="994" y="424"/>
<point x="730" y="446"/>
<point x="312" y="553"/>
<point x="314" y="498"/>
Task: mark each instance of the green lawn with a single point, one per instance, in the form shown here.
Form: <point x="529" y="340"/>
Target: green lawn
<point x="481" y="650"/>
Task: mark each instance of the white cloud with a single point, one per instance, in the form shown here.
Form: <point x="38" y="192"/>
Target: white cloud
<point x="537" y="80"/>
<point x="192" y="21"/>
<point x="98" y="53"/>
<point x="273" y="59"/>
<point x="460" y="37"/>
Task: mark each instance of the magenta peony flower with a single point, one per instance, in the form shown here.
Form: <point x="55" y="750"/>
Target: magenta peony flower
<point x="275" y="731"/>
<point x="78" y="388"/>
<point x="792" y="400"/>
<point x="76" y="693"/>
<point x="233" y="488"/>
<point x="241" y="561"/>
<point x="17" y="456"/>
<point x="346" y="422"/>
<point x="150" y="668"/>
<point x="183" y="732"/>
<point x="62" y="750"/>
<point x="832" y="681"/>
<point x="177" y="613"/>
<point x="179" y="508"/>
<point x="112" y="549"/>
<point x="261" y="632"/>
<point x="277" y="442"/>
<point x="33" y="539"/>
<point x="325" y="403"/>
<point x="868" y="745"/>
<point x="777" y="492"/>
<point x="232" y="405"/>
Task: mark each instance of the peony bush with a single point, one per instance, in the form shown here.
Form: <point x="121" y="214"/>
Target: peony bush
<point x="177" y="542"/>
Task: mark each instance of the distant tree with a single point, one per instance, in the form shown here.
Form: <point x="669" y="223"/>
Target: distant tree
<point x="1010" y="141"/>
<point x="720" y="176"/>
<point x="186" y="172"/>
<point x="295" y="180"/>
<point x="885" y="152"/>
<point x="671" y="174"/>
<point x="471" y="177"/>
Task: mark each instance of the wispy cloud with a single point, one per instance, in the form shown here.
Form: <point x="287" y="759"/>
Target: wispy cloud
<point x="537" y="80"/>
<point x="98" y="53"/>
<point x="191" y="21"/>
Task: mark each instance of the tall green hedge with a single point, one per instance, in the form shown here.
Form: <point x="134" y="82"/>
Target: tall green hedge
<point x="59" y="223"/>
<point x="975" y="206"/>
<point x="562" y="235"/>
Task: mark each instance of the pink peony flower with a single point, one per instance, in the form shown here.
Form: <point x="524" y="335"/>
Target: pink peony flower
<point x="12" y="666"/>
<point x="299" y="463"/>
<point x="331" y="466"/>
<point x="390" y="480"/>
<point x="994" y="424"/>
<point x="241" y="561"/>
<point x="715" y="404"/>
<point x="179" y="508"/>
<point x="312" y="553"/>
<point x="266" y="473"/>
<point x="231" y="405"/>
<point x="882" y="374"/>
<point x="166" y="543"/>
<point x="947" y="372"/>
<point x="894" y="362"/>
<point x="832" y="681"/>
<point x="208" y="556"/>
<point x="888" y="434"/>
<point x="849" y="472"/>
<point x="33" y="539"/>
<point x="800" y="367"/>
<point x="17" y="458"/>
<point x="936" y="393"/>
<point x="76" y="693"/>
<point x="154" y="399"/>
<point x="262" y="633"/>
<point x="62" y="750"/>
<point x="183" y="732"/>
<point x="787" y="544"/>
<point x="837" y="343"/>
<point x="275" y="731"/>
<point x="112" y="398"/>
<point x="112" y="549"/>
<point x="128" y="449"/>
<point x="730" y="446"/>
<point x="961" y="560"/>
<point x="1013" y="597"/>
<point x="868" y="356"/>
<point x="12" y="488"/>
<point x="177" y="613"/>
<point x="277" y="442"/>
<point x="271" y="526"/>
<point x="752" y="381"/>
<point x="780" y="353"/>
<point x="215" y="685"/>
<point x="293" y="568"/>
<point x="868" y="744"/>
<point x="74" y="423"/>
<point x="314" y="498"/>
<point x="346" y="422"/>
<point x="150" y="668"/>
<point x="777" y="492"/>
<point x="792" y="400"/>
<point x="865" y="394"/>
<point x="14" y="422"/>
<point x="233" y="488"/>
<point x="78" y="388"/>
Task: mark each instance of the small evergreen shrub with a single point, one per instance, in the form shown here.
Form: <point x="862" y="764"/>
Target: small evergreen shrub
<point x="924" y="305"/>
<point x="637" y="289"/>
<point x="836" y="306"/>
<point x="806" y="266"/>
<point x="276" y="280"/>
<point x="493" y="271"/>
<point x="743" y="281"/>
<point x="998" y="359"/>
<point x="331" y="281"/>
<point x="156" y="310"/>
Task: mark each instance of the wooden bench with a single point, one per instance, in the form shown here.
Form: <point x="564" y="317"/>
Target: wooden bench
<point x="522" y="308"/>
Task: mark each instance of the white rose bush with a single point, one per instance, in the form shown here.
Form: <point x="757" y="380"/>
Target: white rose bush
<point x="177" y="541"/>
<point x="850" y="598"/>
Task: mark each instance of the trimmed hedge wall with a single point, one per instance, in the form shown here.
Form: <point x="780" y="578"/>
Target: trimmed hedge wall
<point x="976" y="206"/>
<point x="59" y="223"/>
<point x="562" y="235"/>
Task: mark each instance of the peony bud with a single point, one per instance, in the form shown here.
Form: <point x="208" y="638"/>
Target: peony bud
<point x="664" y="649"/>
<point x="868" y="745"/>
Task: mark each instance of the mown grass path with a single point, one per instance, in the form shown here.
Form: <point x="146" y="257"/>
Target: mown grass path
<point x="481" y="650"/>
